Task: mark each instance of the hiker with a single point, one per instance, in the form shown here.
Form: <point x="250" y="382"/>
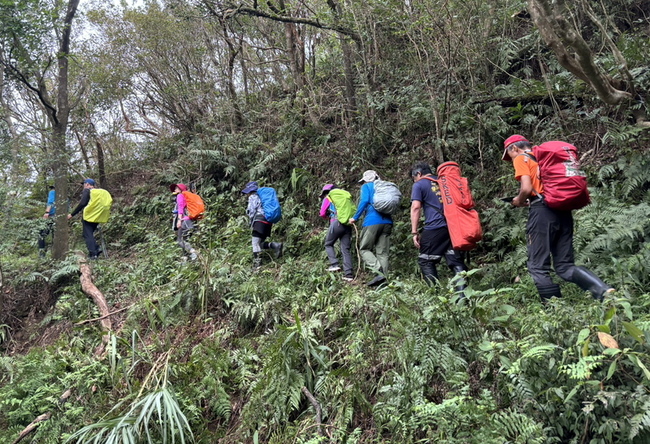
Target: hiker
<point x="375" y="233"/>
<point x="549" y="231"/>
<point x="261" y="227"/>
<point x="50" y="212"/>
<point x="182" y="224"/>
<point x="336" y="231"/>
<point x="95" y="203"/>
<point x="433" y="242"/>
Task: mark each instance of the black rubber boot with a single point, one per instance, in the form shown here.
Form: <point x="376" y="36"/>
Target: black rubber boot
<point x="277" y="249"/>
<point x="588" y="281"/>
<point x="461" y="284"/>
<point x="429" y="271"/>
<point x="379" y="279"/>
<point x="548" y="291"/>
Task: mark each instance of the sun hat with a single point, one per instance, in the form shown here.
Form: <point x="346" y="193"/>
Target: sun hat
<point x="369" y="176"/>
<point x="326" y="188"/>
<point x="250" y="187"/>
<point x="509" y="141"/>
<point x="180" y="186"/>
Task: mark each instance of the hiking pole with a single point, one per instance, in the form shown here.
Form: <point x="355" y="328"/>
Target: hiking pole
<point x="102" y="242"/>
<point x="356" y="244"/>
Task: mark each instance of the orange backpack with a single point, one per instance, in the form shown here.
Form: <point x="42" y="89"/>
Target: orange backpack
<point x="195" y="205"/>
<point x="462" y="219"/>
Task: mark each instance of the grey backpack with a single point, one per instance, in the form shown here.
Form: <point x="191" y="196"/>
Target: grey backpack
<point x="387" y="197"/>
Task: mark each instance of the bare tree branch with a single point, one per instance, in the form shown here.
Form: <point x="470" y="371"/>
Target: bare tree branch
<point x="572" y="50"/>
<point x="277" y="16"/>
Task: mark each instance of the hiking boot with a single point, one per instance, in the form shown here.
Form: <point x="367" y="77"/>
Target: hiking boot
<point x="257" y="261"/>
<point x="193" y="255"/>
<point x="333" y="268"/>
<point x="277" y="249"/>
<point x="348" y="278"/>
<point x="607" y="294"/>
<point x="379" y="279"/>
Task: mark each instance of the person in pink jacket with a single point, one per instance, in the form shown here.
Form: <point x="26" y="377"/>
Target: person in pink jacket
<point x="336" y="231"/>
<point x="183" y="225"/>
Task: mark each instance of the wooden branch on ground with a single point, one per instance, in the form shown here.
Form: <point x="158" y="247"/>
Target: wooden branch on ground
<point x="91" y="290"/>
<point x="316" y="406"/>
<point x="44" y="417"/>
<point x="88" y="321"/>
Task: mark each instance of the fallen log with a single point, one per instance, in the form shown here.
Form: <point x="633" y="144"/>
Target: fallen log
<point x="39" y="419"/>
<point x="91" y="290"/>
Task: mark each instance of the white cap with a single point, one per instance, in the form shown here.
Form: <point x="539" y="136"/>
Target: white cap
<point x="369" y="176"/>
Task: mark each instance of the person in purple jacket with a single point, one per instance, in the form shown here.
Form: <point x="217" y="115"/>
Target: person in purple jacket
<point x="376" y="231"/>
<point x="337" y="231"/>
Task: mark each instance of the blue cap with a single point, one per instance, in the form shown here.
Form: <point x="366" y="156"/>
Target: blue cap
<point x="90" y="182"/>
<point x="250" y="187"/>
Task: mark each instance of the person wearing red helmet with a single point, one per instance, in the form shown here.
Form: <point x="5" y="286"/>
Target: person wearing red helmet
<point x="549" y="231"/>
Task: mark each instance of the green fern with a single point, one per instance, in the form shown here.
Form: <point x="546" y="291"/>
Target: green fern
<point x="640" y="422"/>
<point x="518" y="428"/>
<point x="583" y="369"/>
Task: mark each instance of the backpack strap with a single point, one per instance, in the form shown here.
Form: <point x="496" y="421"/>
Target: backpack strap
<point x="530" y="156"/>
<point x="433" y="206"/>
<point x="534" y="159"/>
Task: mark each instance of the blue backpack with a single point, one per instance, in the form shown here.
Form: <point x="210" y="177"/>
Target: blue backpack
<point x="270" y="204"/>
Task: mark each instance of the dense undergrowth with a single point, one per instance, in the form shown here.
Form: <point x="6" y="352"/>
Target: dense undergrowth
<point x="211" y="352"/>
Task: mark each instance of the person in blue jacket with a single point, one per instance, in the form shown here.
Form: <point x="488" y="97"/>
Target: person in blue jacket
<point x="50" y="212"/>
<point x="375" y="234"/>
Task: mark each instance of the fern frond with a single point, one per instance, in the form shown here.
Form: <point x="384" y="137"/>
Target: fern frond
<point x="517" y="427"/>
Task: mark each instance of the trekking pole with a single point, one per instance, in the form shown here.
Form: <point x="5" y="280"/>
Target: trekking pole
<point x="356" y="244"/>
<point x="102" y="242"/>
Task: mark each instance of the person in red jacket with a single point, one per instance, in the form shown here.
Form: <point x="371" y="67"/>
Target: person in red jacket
<point x="549" y="232"/>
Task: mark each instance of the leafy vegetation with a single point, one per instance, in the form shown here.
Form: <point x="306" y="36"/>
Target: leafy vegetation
<point x="296" y="95"/>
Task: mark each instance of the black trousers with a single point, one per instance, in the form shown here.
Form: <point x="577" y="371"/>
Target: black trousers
<point x="550" y="238"/>
<point x="434" y="245"/>
<point x="550" y="241"/>
<point x="89" y="236"/>
<point x="43" y="233"/>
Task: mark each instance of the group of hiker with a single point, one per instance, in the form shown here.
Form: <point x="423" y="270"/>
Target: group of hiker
<point x="444" y="206"/>
<point x="444" y="223"/>
<point x="94" y="205"/>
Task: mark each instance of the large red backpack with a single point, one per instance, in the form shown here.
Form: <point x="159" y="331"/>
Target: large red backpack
<point x="565" y="184"/>
<point x="462" y="219"/>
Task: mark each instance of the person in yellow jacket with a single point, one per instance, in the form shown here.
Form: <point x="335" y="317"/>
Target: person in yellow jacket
<point x="96" y="205"/>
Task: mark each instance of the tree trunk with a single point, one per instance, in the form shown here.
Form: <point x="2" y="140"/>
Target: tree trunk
<point x="103" y="181"/>
<point x="59" y="118"/>
<point x="348" y="54"/>
<point x="572" y="50"/>
<point x="59" y="168"/>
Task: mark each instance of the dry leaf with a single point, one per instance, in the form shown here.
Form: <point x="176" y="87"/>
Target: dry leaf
<point x="607" y="340"/>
